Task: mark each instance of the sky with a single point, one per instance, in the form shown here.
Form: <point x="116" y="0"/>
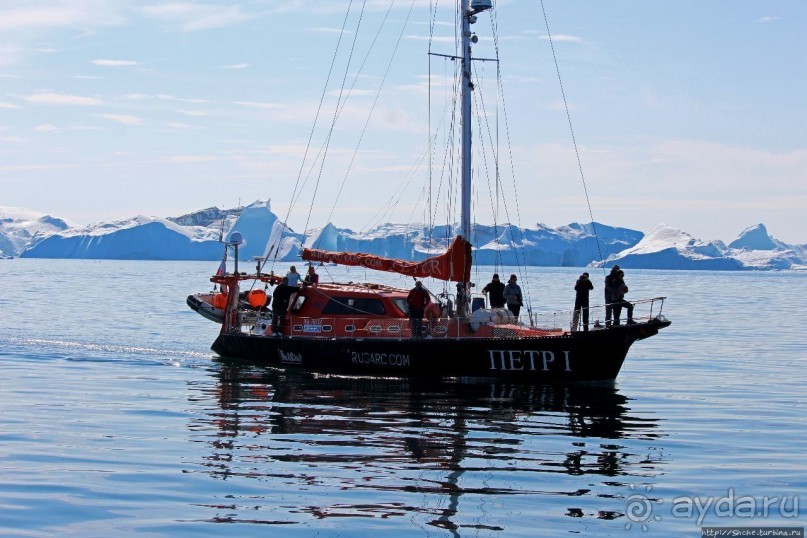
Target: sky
<point x="686" y="113"/>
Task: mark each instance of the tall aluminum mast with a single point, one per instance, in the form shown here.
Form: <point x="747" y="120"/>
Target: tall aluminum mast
<point x="468" y="18"/>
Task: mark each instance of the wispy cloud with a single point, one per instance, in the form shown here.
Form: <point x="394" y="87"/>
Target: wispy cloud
<point x="115" y="63"/>
<point x="125" y="119"/>
<point x="46" y="128"/>
<point x="563" y="38"/>
<point x="191" y="17"/>
<point x="165" y="97"/>
<point x="194" y="113"/>
<point x="763" y="20"/>
<point x="261" y="105"/>
<point x="65" y="15"/>
<point x="86" y="77"/>
<point x="52" y="98"/>
<point x="8" y="105"/>
<point x="328" y="30"/>
<point x="235" y="66"/>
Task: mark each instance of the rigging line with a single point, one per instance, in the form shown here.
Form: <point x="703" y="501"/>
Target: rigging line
<point x="481" y="105"/>
<point x="311" y="135"/>
<point x="521" y="257"/>
<point x="571" y="130"/>
<point x="340" y="107"/>
<point x="390" y="205"/>
<point x="375" y="102"/>
<point x="335" y="116"/>
<point x="448" y="156"/>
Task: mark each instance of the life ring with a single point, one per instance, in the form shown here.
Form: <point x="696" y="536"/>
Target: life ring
<point x="257" y="298"/>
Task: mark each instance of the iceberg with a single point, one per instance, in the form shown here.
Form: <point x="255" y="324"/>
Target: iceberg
<point x="198" y="236"/>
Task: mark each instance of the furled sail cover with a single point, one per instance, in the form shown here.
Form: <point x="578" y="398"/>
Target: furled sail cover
<point x="454" y="264"/>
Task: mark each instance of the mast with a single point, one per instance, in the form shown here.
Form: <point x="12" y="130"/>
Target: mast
<point x="469" y="10"/>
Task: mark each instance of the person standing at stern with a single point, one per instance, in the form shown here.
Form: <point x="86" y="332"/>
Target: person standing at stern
<point x="495" y="292"/>
<point x="512" y="294"/>
<point x="581" y="289"/>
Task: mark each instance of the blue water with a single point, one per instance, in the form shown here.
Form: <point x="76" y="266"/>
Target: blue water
<point x="117" y="420"/>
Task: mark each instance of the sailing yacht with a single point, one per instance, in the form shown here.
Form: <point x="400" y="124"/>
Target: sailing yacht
<point x="368" y="328"/>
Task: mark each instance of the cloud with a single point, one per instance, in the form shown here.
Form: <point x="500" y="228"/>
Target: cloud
<point x="125" y="119"/>
<point x="179" y="125"/>
<point x="261" y="105"/>
<point x="165" y="97"/>
<point x="563" y="38"/>
<point x="763" y="20"/>
<point x="47" y="128"/>
<point x="52" y="98"/>
<point x="235" y="66"/>
<point x="115" y="63"/>
<point x="328" y="30"/>
<point x="189" y="17"/>
<point x="8" y="105"/>
<point x="194" y="113"/>
<point x="90" y="13"/>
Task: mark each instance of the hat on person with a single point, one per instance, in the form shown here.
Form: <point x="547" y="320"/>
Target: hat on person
<point x="615" y="268"/>
<point x="585" y="275"/>
<point x="513" y="277"/>
<point x="495" y="275"/>
<point x="418" y="283"/>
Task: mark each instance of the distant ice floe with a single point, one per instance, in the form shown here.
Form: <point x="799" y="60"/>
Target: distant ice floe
<point x="197" y="236"/>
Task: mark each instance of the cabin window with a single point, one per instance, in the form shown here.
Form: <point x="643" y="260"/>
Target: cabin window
<point x="354" y="306"/>
<point x="401" y="305"/>
<point x="298" y="303"/>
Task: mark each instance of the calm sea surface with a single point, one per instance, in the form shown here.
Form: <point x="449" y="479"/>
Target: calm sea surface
<point x="117" y="419"/>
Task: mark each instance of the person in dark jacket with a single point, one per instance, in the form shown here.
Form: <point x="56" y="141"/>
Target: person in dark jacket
<point x="311" y="277"/>
<point x="280" y="303"/>
<point x="512" y="294"/>
<point x="609" y="292"/>
<point x="417" y="300"/>
<point x="618" y="295"/>
<point x="495" y="292"/>
<point x="581" y="288"/>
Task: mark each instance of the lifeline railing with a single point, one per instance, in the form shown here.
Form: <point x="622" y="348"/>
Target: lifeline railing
<point x="256" y="323"/>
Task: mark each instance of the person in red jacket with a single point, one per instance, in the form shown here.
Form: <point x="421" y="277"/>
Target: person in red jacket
<point x="417" y="300"/>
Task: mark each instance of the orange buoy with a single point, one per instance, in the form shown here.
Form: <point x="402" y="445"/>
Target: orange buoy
<point x="257" y="298"/>
<point x="220" y="300"/>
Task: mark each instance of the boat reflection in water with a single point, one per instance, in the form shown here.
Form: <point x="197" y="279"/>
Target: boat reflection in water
<point x="451" y="455"/>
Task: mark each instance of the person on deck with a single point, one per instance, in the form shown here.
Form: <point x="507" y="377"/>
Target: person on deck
<point x="512" y="294"/>
<point x="311" y="277"/>
<point x="417" y="300"/>
<point x="609" y="292"/>
<point x="280" y="302"/>
<point x="618" y="294"/>
<point x="293" y="276"/>
<point x="581" y="288"/>
<point x="495" y="292"/>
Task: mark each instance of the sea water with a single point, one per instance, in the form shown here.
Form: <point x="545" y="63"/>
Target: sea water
<point x="117" y="419"/>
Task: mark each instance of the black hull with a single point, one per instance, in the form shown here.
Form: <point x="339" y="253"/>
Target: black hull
<point x="580" y="356"/>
